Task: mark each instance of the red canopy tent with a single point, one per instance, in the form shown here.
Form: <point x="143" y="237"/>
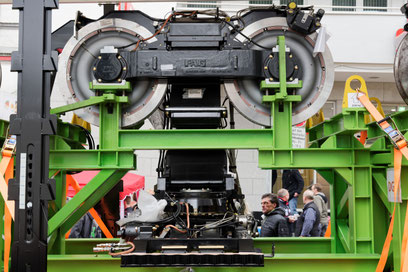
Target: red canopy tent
<point x="131" y="183"/>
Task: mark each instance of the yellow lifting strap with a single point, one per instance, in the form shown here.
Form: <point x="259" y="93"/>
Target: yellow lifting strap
<point x="315" y="119"/>
<point x="350" y="99"/>
<point x="400" y="149"/>
<point x="76" y="120"/>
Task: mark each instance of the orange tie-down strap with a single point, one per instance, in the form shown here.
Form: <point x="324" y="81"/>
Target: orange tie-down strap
<point x="7" y="219"/>
<point x="92" y="211"/>
<point x="5" y="162"/>
<point x="400" y="149"/>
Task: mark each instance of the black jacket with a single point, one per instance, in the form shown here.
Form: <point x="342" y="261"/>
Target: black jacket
<point x="315" y="231"/>
<point x="285" y="206"/>
<point x="292" y="181"/>
<point x="275" y="224"/>
<point x="86" y="227"/>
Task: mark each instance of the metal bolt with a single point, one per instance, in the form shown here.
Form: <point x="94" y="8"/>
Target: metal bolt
<point x="296" y="67"/>
<point x="119" y="80"/>
<point x="94" y="68"/>
<point x="290" y="56"/>
<point x="271" y="56"/>
<point x="291" y="78"/>
<point x="99" y="80"/>
<point x="99" y="57"/>
<point x="318" y="24"/>
<point x="271" y="79"/>
<point x="266" y="67"/>
<point x="119" y="57"/>
<point x="29" y="205"/>
<point x="124" y="68"/>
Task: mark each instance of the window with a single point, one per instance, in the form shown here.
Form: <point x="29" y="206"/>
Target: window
<point x="203" y="4"/>
<point x="375" y="3"/>
<point x="261" y="2"/>
<point x="344" y="3"/>
<point x="285" y="2"/>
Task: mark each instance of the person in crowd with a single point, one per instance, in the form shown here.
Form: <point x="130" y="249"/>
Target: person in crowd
<point x="283" y="197"/>
<point x="308" y="223"/>
<point x="293" y="182"/>
<point x="86" y="227"/>
<point x="320" y="200"/>
<point x="274" y="223"/>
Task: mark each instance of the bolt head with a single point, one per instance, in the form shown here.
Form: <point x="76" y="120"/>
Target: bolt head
<point x="94" y="69"/>
<point x="266" y="68"/>
<point x="99" y="80"/>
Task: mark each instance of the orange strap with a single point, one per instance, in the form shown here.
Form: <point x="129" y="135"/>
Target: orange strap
<point x="95" y="215"/>
<point x="328" y="231"/>
<point x="398" y="153"/>
<point x="4" y="163"/>
<point x="363" y="136"/>
<point x="7" y="220"/>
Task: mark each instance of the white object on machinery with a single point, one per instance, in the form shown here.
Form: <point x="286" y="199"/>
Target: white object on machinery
<point x="151" y="209"/>
<point x="322" y="38"/>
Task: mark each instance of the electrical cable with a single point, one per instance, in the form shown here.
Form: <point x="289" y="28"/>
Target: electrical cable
<point x="124" y="252"/>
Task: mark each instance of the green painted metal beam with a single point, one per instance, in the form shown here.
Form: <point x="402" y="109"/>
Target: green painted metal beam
<point x="281" y="262"/>
<point x="95" y="100"/>
<point x="308" y="158"/>
<point x="92" y="159"/>
<point x="348" y="122"/>
<point x="282" y="245"/>
<point x="196" y="139"/>
<point x="380" y="186"/>
<point x="96" y="188"/>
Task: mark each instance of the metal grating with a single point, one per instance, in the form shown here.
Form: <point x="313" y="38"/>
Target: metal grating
<point x="375" y="3"/>
<point x="346" y="3"/>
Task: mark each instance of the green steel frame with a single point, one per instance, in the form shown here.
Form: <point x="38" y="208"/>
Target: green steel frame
<point x="357" y="175"/>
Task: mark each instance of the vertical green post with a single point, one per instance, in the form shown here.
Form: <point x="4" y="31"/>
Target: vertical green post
<point x="58" y="246"/>
<point x="109" y="124"/>
<point x="282" y="66"/>
<point x="282" y="107"/>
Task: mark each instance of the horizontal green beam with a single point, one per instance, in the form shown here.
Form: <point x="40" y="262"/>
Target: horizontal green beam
<point x="282" y="244"/>
<point x="94" y="100"/>
<point x="311" y="158"/>
<point x="92" y="159"/>
<point x="196" y="139"/>
<point x="281" y="262"/>
<point x="348" y="122"/>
